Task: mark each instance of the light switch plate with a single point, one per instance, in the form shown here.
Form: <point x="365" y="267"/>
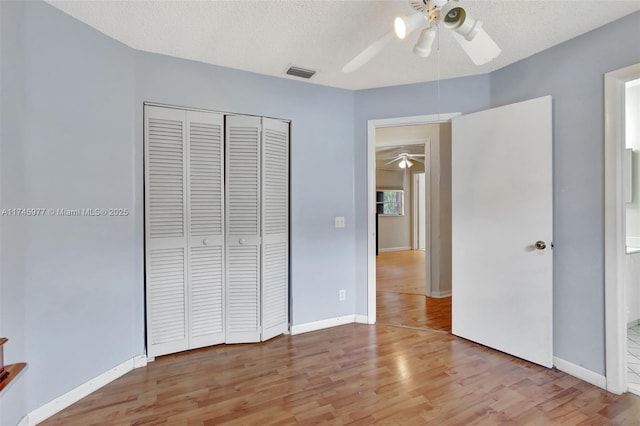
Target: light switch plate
<point x="339" y="221"/>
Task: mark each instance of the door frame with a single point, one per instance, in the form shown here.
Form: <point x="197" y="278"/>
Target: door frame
<point x="614" y="227"/>
<point x="372" y="125"/>
<point x="415" y="204"/>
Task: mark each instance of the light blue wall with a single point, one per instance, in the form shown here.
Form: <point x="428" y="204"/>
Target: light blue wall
<point x="462" y="95"/>
<point x="12" y="245"/>
<point x="573" y="74"/>
<point x="67" y="129"/>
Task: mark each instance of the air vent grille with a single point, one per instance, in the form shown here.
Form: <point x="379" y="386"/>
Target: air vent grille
<point x="300" y="72"/>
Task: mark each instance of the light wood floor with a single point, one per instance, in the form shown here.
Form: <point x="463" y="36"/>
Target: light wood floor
<point x="354" y="374"/>
<point x="400" y="295"/>
<point x="401" y="271"/>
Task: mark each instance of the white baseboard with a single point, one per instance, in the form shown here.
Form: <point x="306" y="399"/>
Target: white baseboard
<point x="140" y="361"/>
<point x="580" y="372"/>
<point x="361" y="319"/>
<point x="322" y="324"/>
<point x="383" y="250"/>
<point x="74" y="395"/>
<point x="633" y="241"/>
<point x="633" y="388"/>
<point x="440" y="294"/>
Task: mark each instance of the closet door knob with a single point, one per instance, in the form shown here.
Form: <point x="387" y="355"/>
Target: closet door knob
<point x="242" y="241"/>
<point x="540" y="245"/>
<point x="205" y="241"/>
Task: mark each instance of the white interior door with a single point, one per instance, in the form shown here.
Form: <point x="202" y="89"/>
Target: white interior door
<point x="422" y="213"/>
<point x="501" y="207"/>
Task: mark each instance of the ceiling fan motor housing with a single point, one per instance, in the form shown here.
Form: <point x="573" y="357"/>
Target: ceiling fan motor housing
<point x="431" y="8"/>
<point x="419" y="5"/>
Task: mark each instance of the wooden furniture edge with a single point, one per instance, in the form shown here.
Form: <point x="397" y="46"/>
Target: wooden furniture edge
<point x="13" y="371"/>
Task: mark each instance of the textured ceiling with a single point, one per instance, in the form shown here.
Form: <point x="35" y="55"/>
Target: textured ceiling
<point x="265" y="36"/>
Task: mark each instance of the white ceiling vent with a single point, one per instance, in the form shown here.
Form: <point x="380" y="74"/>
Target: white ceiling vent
<point x="300" y="72"/>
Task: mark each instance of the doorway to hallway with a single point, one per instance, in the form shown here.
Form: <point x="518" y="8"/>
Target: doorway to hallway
<point x="400" y="293"/>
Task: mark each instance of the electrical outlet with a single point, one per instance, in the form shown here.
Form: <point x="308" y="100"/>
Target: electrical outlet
<point x="339" y="220"/>
<point x="342" y="295"/>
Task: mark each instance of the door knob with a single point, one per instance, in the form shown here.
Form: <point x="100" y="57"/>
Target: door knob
<point x="540" y="245"/>
<point x="242" y="241"/>
<point x="205" y="242"/>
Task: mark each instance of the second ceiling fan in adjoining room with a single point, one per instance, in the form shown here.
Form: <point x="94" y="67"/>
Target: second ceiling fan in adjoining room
<point x="404" y="158"/>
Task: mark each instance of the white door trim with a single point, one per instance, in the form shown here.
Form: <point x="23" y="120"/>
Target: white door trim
<point x="614" y="227"/>
<point x="415" y="209"/>
<point x="372" y="125"/>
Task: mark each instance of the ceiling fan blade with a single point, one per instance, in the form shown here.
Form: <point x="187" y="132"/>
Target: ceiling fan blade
<point x="482" y="49"/>
<point x="369" y="53"/>
<point x="391" y="162"/>
<point x="386" y="148"/>
<point x="415" y="155"/>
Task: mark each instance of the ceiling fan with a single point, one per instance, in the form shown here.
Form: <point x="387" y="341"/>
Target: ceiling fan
<point x="432" y="14"/>
<point x="405" y="160"/>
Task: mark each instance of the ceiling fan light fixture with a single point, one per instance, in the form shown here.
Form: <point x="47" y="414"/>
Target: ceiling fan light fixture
<point x="422" y="47"/>
<point x="457" y="19"/>
<point x="400" y="28"/>
<point x="405" y="25"/>
<point x="405" y="164"/>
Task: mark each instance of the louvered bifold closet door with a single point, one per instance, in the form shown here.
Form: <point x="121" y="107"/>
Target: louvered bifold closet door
<point x="275" y="228"/>
<point x="205" y="226"/>
<point x="242" y="160"/>
<point x="165" y="230"/>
